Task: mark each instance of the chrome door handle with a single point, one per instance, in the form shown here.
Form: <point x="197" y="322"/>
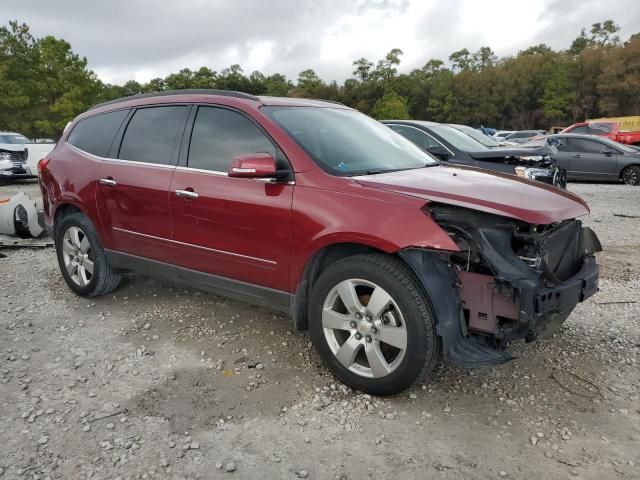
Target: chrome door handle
<point x="107" y="181"/>
<point x="186" y="194"/>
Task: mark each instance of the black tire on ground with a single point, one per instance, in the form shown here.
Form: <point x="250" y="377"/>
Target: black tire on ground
<point x="104" y="278"/>
<point x="423" y="346"/>
<point x="631" y="175"/>
<point x="21" y="222"/>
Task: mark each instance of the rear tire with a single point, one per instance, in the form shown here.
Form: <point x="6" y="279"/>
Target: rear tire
<point x="81" y="258"/>
<point x="631" y="175"/>
<point x="382" y="338"/>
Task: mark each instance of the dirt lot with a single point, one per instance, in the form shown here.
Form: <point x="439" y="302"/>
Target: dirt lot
<point x="161" y="382"/>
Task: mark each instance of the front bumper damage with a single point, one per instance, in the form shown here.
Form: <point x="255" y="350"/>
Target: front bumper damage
<point x="509" y="281"/>
<point x="13" y="166"/>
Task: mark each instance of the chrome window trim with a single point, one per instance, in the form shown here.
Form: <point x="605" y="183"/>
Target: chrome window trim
<point x="202" y="170"/>
<point x="118" y="160"/>
<point x="176" y="242"/>
<point x="424" y="133"/>
<point x="225" y="174"/>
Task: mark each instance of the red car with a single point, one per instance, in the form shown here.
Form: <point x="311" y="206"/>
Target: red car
<point x="388" y="257"/>
<point x="605" y="129"/>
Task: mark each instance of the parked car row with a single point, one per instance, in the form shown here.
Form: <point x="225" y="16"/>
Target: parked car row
<point x="391" y="259"/>
<point x="457" y="145"/>
<point x="595" y="155"/>
<point x="593" y="158"/>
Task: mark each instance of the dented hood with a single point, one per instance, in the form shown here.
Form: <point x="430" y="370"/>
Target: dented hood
<point x="12" y="147"/>
<point x="483" y="190"/>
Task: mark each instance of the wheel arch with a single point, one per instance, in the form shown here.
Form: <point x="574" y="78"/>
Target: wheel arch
<point x="62" y="210"/>
<point x="316" y="264"/>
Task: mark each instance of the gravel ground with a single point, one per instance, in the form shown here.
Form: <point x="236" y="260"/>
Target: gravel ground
<point x="156" y="381"/>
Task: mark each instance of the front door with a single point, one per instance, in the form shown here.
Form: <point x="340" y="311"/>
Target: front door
<point x="133" y="188"/>
<point x="593" y="160"/>
<point x="235" y="228"/>
<point x="563" y="157"/>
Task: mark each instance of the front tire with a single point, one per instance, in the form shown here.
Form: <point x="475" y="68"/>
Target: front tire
<point x="631" y="175"/>
<point x="81" y="258"/>
<point x="372" y="324"/>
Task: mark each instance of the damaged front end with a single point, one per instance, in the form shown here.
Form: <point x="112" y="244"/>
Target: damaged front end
<point x="510" y="280"/>
<point x="530" y="163"/>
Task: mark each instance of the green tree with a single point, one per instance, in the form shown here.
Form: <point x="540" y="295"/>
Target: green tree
<point x="277" y="85"/>
<point x="391" y="106"/>
<point x="386" y="68"/>
<point x="559" y="95"/>
<point x="363" y="69"/>
<point x="308" y="84"/>
<point x="605" y="34"/>
<point x="461" y="59"/>
<point x="43" y="84"/>
<point x="484" y="58"/>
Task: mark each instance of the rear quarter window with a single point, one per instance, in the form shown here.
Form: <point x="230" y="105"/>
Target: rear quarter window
<point x="95" y="134"/>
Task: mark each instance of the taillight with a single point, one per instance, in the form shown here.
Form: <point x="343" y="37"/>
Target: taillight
<point x="42" y="164"/>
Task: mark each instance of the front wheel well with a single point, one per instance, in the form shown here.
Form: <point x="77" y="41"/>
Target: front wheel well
<point x="62" y="211"/>
<point x="314" y="267"/>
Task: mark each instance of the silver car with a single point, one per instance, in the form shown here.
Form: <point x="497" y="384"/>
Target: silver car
<point x="592" y="158"/>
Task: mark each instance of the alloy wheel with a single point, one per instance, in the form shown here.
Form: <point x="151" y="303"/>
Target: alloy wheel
<point x="630" y="177"/>
<point x="364" y="328"/>
<point x="77" y="256"/>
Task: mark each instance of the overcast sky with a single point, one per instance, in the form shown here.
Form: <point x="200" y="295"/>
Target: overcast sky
<point x="129" y="39"/>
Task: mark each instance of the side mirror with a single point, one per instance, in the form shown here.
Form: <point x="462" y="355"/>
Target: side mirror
<point x="440" y="152"/>
<point x="607" y="151"/>
<point x="253" y="165"/>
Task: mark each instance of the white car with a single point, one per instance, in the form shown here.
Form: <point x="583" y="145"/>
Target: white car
<point x="19" y="156"/>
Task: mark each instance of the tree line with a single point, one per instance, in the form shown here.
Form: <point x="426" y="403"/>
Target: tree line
<point x="44" y="84"/>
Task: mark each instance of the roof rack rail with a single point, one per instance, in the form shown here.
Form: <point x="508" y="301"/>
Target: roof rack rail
<point x="186" y="91"/>
<point x="323" y="100"/>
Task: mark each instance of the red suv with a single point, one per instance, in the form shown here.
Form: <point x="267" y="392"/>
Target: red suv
<point x="389" y="258"/>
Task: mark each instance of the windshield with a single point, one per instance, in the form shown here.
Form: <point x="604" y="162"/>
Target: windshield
<point x="477" y="135"/>
<point x="13" y="138"/>
<point x="346" y="142"/>
<point x="459" y="140"/>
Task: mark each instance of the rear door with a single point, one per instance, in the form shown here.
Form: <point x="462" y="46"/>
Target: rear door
<point x="237" y="228"/>
<point x="590" y="162"/>
<point x="133" y="190"/>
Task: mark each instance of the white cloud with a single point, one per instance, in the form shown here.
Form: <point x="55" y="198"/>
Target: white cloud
<point x="145" y="39"/>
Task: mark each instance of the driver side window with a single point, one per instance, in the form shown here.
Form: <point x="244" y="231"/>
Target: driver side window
<point x="581" y="145"/>
<point x="219" y="135"/>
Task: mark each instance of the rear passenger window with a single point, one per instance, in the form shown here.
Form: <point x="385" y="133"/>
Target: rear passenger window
<point x="151" y="134"/>
<point x="219" y="135"/>
<point x="95" y="134"/>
